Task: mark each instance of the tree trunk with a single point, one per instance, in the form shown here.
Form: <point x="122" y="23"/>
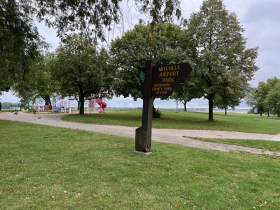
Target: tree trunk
<point x="185" y="105"/>
<point x="225" y="111"/>
<point x="82" y="101"/>
<point x="47" y="99"/>
<point x="268" y="113"/>
<point x="261" y="114"/>
<point x="82" y="108"/>
<point x="211" y="105"/>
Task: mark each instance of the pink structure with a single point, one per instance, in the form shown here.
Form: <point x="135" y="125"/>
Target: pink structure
<point x="91" y="102"/>
<point x="102" y="104"/>
<point x="44" y="108"/>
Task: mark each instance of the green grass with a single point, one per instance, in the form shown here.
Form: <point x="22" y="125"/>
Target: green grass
<point x="273" y="146"/>
<point x="6" y="110"/>
<point x="44" y="167"/>
<point x="186" y="120"/>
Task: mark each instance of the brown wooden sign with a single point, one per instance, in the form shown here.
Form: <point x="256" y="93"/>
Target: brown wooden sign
<point x="165" y="78"/>
<point x="156" y="81"/>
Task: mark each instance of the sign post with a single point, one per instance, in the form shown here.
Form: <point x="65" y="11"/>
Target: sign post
<point x="143" y="134"/>
<point x="156" y="81"/>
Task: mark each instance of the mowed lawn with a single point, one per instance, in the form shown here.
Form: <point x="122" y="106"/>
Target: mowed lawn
<point x="186" y="120"/>
<point x="44" y="167"/>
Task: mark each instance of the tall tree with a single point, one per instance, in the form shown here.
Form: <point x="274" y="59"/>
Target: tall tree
<point x="220" y="49"/>
<point x="20" y="42"/>
<point x="232" y="88"/>
<point x="81" y="69"/>
<point x="130" y="52"/>
<point x="40" y="84"/>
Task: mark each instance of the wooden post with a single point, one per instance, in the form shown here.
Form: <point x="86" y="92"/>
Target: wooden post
<point x="143" y="134"/>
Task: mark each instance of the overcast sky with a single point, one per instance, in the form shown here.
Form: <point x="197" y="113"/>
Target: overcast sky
<point x="260" y="18"/>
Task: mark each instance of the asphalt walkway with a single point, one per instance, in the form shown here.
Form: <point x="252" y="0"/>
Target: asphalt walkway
<point x="174" y="136"/>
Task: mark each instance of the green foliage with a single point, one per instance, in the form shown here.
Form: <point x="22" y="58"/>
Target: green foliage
<point x="187" y="91"/>
<point x="92" y="16"/>
<point x="40" y="84"/>
<point x="8" y="105"/>
<point x="32" y="110"/>
<point x="272" y="100"/>
<point x="257" y="97"/>
<point x="20" y="42"/>
<point x="130" y="52"/>
<point x="81" y="70"/>
<point x="157" y="113"/>
<point x="251" y="111"/>
<point x="221" y="59"/>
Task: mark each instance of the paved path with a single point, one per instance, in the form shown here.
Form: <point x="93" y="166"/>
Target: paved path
<point x="174" y="136"/>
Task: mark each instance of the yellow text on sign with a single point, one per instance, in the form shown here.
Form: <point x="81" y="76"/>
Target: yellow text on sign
<point x="169" y="68"/>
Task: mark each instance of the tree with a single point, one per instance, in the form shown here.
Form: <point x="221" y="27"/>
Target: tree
<point x="40" y="84"/>
<point x="130" y="52"/>
<point x="81" y="69"/>
<point x="20" y="42"/>
<point x="261" y="93"/>
<point x="232" y="87"/>
<point x="91" y="17"/>
<point x="220" y="51"/>
<point x="272" y="101"/>
<point x="181" y="95"/>
<point x="187" y="91"/>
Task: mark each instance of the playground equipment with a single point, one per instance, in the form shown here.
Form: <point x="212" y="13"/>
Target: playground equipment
<point x="63" y="106"/>
<point x="102" y="105"/>
<point x="100" y="102"/>
<point x="59" y="108"/>
<point x="43" y="108"/>
<point x="91" y="105"/>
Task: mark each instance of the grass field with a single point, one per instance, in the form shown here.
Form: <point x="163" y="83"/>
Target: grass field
<point x="186" y="120"/>
<point x="6" y="110"/>
<point x="44" y="167"/>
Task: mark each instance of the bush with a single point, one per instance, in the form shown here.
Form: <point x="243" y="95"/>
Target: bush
<point x="157" y="113"/>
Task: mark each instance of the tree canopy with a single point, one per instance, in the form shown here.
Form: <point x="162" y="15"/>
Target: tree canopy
<point x="130" y="52"/>
<point x="40" y="84"/>
<point x="20" y="41"/>
<point x="220" y="54"/>
<point x="81" y="69"/>
<point x="272" y="101"/>
<point x="258" y="96"/>
<point x="91" y="17"/>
